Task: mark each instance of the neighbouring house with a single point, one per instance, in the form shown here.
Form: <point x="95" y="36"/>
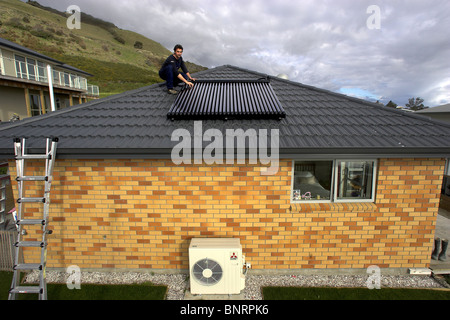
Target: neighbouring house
<point x="441" y="113"/>
<point x="25" y="90"/>
<point x="357" y="183"/>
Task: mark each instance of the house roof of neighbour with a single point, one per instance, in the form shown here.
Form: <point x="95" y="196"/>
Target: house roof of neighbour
<point x="439" y="109"/>
<point x="16" y="47"/>
<point x="317" y="123"/>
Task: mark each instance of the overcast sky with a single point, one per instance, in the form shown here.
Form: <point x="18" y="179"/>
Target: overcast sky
<point x="339" y="45"/>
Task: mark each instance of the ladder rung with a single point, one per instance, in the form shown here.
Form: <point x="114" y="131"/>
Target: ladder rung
<point x="34" y="157"/>
<point x="30" y="244"/>
<point x="28" y="200"/>
<point x="32" y="178"/>
<point x="28" y="266"/>
<point x="26" y="290"/>
<point x="31" y="222"/>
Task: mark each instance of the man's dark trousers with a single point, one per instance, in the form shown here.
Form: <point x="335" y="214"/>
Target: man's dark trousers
<point x="170" y="75"/>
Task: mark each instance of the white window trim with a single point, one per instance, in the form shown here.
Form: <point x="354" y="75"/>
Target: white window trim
<point x="313" y="201"/>
<point x="333" y="191"/>
<point x="374" y="182"/>
<point x="20" y="64"/>
<point x="447" y="167"/>
<point x="36" y="68"/>
<point x="2" y="65"/>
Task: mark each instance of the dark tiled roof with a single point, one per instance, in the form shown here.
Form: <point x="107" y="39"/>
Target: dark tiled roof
<point x="318" y="122"/>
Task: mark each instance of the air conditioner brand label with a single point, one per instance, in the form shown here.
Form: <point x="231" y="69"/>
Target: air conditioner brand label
<point x="233" y="256"/>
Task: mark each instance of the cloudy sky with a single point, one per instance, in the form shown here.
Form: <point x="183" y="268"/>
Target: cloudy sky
<point x="372" y="49"/>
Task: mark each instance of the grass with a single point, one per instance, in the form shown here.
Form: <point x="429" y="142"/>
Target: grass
<point x="145" y="291"/>
<point x="293" y="293"/>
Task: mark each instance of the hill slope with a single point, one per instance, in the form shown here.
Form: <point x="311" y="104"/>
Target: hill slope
<point x="120" y="60"/>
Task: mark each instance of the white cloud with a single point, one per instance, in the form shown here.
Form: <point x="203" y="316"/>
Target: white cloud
<point x="323" y="43"/>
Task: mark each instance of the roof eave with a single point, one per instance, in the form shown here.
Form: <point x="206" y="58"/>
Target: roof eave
<point x="288" y="153"/>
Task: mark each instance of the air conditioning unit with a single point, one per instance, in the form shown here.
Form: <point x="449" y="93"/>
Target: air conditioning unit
<point x="216" y="266"/>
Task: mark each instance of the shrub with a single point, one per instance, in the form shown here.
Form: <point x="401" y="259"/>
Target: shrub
<point x="39" y="31"/>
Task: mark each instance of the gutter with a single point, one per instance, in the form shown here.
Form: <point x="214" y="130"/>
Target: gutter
<point x="294" y="154"/>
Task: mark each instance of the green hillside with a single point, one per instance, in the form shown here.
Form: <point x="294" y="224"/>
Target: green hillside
<point x="120" y="60"/>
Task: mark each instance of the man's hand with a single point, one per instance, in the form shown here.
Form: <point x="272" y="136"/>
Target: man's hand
<point x="190" y="84"/>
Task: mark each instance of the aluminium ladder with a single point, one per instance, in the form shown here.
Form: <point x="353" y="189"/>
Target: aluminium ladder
<point x="21" y="157"/>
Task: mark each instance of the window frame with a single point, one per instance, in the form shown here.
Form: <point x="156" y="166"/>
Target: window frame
<point x="21" y="65"/>
<point x="41" y="68"/>
<point x="36" y="110"/>
<point x="334" y="182"/>
<point x="374" y="181"/>
<point x="2" y="65"/>
<point x="31" y="68"/>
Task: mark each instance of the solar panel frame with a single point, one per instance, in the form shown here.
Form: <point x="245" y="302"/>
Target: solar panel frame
<point x="227" y="99"/>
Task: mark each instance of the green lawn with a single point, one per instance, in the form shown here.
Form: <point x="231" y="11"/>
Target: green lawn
<point x="146" y="291"/>
<point x="292" y="293"/>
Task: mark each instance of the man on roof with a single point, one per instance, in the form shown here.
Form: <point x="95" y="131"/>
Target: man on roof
<point x="169" y="70"/>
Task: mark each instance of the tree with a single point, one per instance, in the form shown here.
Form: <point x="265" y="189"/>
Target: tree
<point x="415" y="104"/>
<point x="391" y="104"/>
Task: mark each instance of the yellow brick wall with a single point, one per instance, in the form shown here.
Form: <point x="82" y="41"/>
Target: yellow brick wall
<point x="143" y="213"/>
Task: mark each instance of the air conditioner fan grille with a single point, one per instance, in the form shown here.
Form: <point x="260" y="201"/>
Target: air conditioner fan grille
<point x="207" y="272"/>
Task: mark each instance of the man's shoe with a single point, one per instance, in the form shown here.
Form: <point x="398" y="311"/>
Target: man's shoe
<point x="171" y="91"/>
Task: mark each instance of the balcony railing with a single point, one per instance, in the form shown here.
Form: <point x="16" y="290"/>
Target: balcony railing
<point x="31" y="69"/>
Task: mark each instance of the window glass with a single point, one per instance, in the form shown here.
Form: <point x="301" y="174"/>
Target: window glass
<point x="35" y="104"/>
<point x="31" y="65"/>
<point x="41" y="71"/>
<point x="355" y="180"/>
<point x="55" y="77"/>
<point x="21" y="67"/>
<point x="66" y="80"/>
<point x="312" y="180"/>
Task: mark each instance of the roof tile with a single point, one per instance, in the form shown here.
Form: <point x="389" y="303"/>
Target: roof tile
<point x="317" y="121"/>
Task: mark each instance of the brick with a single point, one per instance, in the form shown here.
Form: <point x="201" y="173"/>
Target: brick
<point x="153" y="206"/>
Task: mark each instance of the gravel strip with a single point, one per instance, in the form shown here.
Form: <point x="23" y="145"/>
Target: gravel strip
<point x="177" y="283"/>
<point x="254" y="284"/>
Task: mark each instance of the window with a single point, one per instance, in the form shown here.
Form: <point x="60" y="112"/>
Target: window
<point x="55" y="77"/>
<point x="31" y="65"/>
<point x="66" y="79"/>
<point x="73" y="81"/>
<point x="42" y="74"/>
<point x="334" y="181"/>
<point x="313" y="180"/>
<point x="21" y="67"/>
<point x="354" y="180"/>
<point x="35" y="104"/>
<point x="2" y="67"/>
<point x="31" y="69"/>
